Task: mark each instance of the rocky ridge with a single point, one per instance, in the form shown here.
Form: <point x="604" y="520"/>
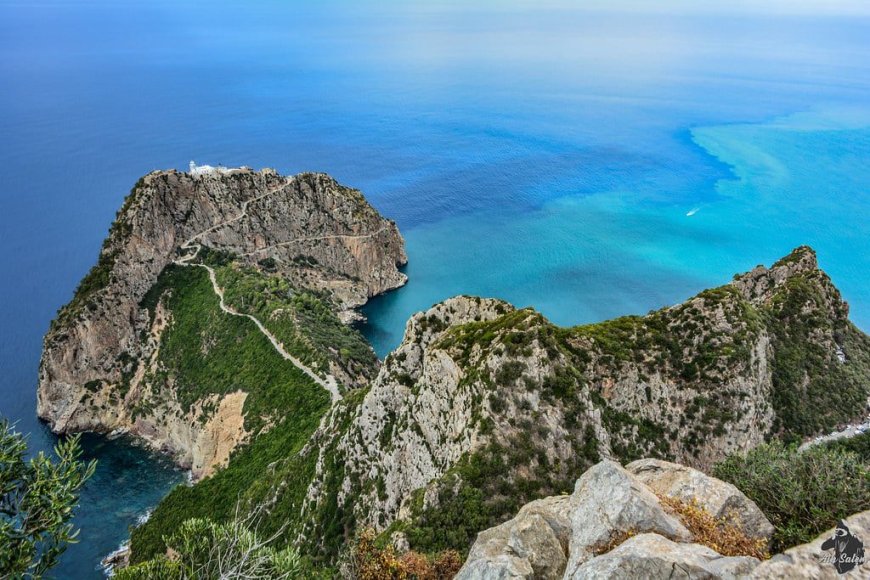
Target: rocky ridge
<point x="484" y="407"/>
<point x="102" y="352"/>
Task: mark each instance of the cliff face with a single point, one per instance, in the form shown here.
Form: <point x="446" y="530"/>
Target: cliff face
<point x="102" y="367"/>
<point x="484" y="407"/>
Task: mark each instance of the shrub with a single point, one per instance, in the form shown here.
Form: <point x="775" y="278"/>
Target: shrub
<point x="37" y="498"/>
<point x="202" y="549"/>
<point x="802" y="493"/>
<point x="722" y="534"/>
<point x="614" y="542"/>
<point x="859" y="445"/>
<point x="368" y="562"/>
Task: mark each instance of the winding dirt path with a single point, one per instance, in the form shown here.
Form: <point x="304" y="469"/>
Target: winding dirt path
<point x="316" y="238"/>
<point x="192" y="248"/>
<point x="329" y="383"/>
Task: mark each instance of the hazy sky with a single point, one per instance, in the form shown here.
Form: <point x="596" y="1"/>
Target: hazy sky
<point x="802" y="7"/>
<point x="770" y="6"/>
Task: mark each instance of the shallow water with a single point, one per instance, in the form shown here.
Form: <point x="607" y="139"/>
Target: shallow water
<point x="546" y="153"/>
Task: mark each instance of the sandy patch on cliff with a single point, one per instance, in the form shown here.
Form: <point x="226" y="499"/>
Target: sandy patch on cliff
<point x="224" y="431"/>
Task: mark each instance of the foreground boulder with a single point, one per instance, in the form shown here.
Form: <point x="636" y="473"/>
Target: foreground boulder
<point x="653" y="556"/>
<point x="608" y="502"/>
<point x="612" y="526"/>
<point x="719" y="498"/>
<point x="534" y="544"/>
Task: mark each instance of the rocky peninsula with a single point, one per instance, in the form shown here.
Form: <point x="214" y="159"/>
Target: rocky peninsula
<point x="215" y="326"/>
<point x="101" y="368"/>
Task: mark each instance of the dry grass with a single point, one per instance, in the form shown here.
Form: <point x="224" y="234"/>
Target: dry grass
<point x="614" y="542"/>
<point x="722" y="534"/>
<point x="373" y="563"/>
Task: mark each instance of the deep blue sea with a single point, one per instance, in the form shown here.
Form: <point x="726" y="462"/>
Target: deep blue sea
<point x="589" y="159"/>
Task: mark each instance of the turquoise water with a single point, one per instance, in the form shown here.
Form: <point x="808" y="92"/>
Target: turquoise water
<point x="544" y="152"/>
<point x="799" y="179"/>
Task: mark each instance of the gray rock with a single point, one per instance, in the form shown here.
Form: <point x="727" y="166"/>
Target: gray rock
<point x="533" y="539"/>
<point x="609" y="501"/>
<point x="556" y="510"/>
<point x="719" y="498"/>
<point x="733" y="566"/>
<point x="524" y="547"/>
<point x="805" y="561"/>
<point x="653" y="556"/>
<point x="400" y="542"/>
<point x="500" y="567"/>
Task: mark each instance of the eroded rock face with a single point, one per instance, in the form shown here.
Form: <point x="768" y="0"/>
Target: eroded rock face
<point x="419" y="385"/>
<point x="476" y="380"/>
<point x="719" y="498"/>
<point x="314" y="232"/>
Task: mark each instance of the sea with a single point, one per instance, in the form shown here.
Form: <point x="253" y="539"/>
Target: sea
<point x="588" y="159"/>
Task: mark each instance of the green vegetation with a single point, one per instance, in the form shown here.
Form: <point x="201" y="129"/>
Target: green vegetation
<point x="682" y="341"/>
<point x="487" y="487"/>
<point x="859" y="445"/>
<point x="635" y="437"/>
<point x="217" y="496"/>
<point x="302" y="320"/>
<point x="700" y="349"/>
<point x="37" y="499"/>
<point x="327" y="526"/>
<point x="802" y="493"/>
<point x="206" y="550"/>
<point x="206" y="351"/>
<point x="813" y="391"/>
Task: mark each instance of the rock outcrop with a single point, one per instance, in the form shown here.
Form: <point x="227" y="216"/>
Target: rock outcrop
<point x="101" y="354"/>
<point x="484" y="406"/>
<point x="652" y="556"/>
<point x="717" y="497"/>
<point x="608" y="502"/>
<point x="612" y="526"/>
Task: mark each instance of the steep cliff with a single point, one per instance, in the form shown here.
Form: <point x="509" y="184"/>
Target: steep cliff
<point x="161" y="338"/>
<point x="484" y="407"/>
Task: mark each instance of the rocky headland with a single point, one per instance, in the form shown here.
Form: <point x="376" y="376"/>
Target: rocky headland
<point x="215" y="326"/>
<point x="101" y="368"/>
